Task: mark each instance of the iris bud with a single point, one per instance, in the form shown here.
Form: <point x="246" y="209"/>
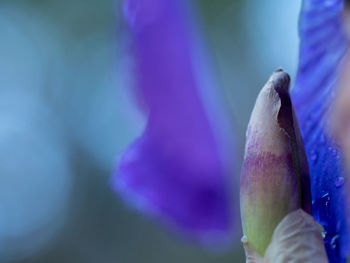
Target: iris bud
<point x="274" y="177"/>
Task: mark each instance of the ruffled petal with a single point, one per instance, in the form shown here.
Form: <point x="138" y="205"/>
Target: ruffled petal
<point x="177" y="169"/>
<point x="322" y="48"/>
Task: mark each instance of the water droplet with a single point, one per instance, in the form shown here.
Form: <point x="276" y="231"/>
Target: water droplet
<point x="322" y="209"/>
<point x="334" y="152"/>
<point x="324" y="234"/>
<point x="334" y="242"/>
<point x="339" y="181"/>
<point x="314" y="156"/>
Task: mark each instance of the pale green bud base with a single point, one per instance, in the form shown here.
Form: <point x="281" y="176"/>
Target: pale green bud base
<point x="296" y="239"/>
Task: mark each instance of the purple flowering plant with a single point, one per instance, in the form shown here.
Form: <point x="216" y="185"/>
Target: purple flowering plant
<point x="180" y="168"/>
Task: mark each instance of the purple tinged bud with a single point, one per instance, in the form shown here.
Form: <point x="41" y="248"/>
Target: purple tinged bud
<point x="275" y="177"/>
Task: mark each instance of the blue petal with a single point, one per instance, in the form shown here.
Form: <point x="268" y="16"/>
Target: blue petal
<point x="322" y="49"/>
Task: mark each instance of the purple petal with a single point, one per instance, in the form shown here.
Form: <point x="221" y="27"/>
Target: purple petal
<point x="322" y="48"/>
<point x="177" y="169"/>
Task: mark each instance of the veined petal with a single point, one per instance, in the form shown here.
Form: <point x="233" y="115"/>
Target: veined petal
<point x="177" y="169"/>
<point x="322" y="48"/>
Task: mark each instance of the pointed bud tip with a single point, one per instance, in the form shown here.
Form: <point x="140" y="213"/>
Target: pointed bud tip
<point x="279" y="79"/>
<point x="279" y="70"/>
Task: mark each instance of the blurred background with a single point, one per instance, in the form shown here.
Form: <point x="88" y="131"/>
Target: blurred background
<point x="66" y="113"/>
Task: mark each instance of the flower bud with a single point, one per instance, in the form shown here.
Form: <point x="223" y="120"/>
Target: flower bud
<point x="275" y="178"/>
